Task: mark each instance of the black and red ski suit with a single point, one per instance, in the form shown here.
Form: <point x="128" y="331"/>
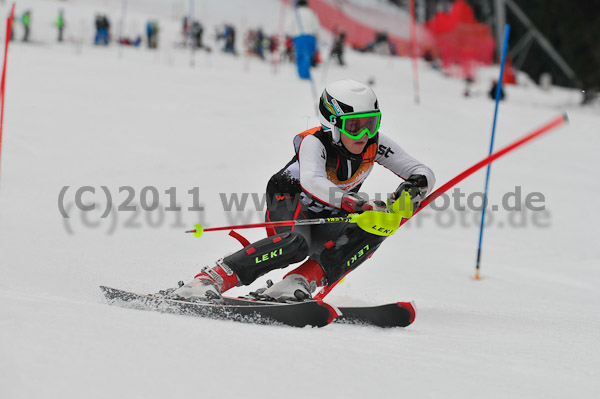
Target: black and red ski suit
<point x="311" y="186"/>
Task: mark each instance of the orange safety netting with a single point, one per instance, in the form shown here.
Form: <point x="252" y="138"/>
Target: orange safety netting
<point x="460" y="40"/>
<point x="333" y="18"/>
<point x="455" y="38"/>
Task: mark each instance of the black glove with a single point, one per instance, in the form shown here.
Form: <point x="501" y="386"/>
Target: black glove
<point x="354" y="203"/>
<point x="416" y="186"/>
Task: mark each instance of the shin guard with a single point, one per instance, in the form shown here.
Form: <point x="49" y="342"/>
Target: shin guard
<point x="350" y="250"/>
<point x="274" y="252"/>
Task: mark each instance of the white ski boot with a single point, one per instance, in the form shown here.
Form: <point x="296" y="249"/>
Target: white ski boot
<point x="293" y="287"/>
<point x="209" y="284"/>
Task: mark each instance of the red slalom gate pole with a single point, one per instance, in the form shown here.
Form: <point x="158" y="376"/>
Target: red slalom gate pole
<point x="486" y="161"/>
<point x="9" y="22"/>
<point x="556" y="122"/>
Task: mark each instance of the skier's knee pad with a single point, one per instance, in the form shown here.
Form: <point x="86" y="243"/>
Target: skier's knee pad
<point x="351" y="249"/>
<point x="274" y="252"/>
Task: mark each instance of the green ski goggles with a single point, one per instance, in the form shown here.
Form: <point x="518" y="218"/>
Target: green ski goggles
<point x="357" y="125"/>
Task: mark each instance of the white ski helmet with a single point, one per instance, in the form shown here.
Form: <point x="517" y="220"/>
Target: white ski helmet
<point x="349" y="98"/>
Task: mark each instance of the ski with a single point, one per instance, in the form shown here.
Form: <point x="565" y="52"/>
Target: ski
<point x="301" y="314"/>
<point x="398" y="314"/>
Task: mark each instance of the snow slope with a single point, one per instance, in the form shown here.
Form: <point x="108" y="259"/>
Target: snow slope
<point x="73" y="118"/>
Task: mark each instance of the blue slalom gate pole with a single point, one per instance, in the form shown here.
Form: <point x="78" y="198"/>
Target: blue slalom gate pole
<point x="487" y="177"/>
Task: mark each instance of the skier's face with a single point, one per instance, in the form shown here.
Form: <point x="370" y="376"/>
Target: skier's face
<point x="355" y="146"/>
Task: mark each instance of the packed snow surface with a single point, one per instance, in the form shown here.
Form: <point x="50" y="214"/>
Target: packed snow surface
<point x="82" y="116"/>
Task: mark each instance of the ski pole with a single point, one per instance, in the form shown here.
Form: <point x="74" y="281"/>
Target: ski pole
<point x="374" y="222"/>
<point x="199" y="230"/>
<point x="556" y="122"/>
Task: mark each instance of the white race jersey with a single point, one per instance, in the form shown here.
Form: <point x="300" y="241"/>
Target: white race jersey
<point x="321" y="174"/>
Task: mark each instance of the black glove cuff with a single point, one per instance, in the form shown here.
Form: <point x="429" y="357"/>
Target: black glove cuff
<point x="418" y="180"/>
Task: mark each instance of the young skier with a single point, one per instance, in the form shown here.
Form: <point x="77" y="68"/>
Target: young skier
<point x="322" y="180"/>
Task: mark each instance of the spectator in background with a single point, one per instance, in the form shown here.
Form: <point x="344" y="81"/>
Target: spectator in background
<point x="99" y="33"/>
<point x="60" y="25"/>
<point x="186" y="31"/>
<point x="102" y="30"/>
<point x="260" y="43"/>
<point x="131" y="42"/>
<point x="26" y="20"/>
<point x="303" y="26"/>
<point x="197" y="31"/>
<point x="468" y="86"/>
<point x="273" y="45"/>
<point x="152" y="34"/>
<point x="430" y="57"/>
<point x="492" y="92"/>
<point x="186" y="26"/>
<point x="228" y="35"/>
<point x="192" y="33"/>
<point x="106" y="25"/>
<point x="337" y="50"/>
<point x="288" y="52"/>
<point x="381" y="45"/>
<point x="230" y="39"/>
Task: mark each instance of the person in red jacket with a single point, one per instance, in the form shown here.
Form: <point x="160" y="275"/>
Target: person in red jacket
<point x="323" y="179"/>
